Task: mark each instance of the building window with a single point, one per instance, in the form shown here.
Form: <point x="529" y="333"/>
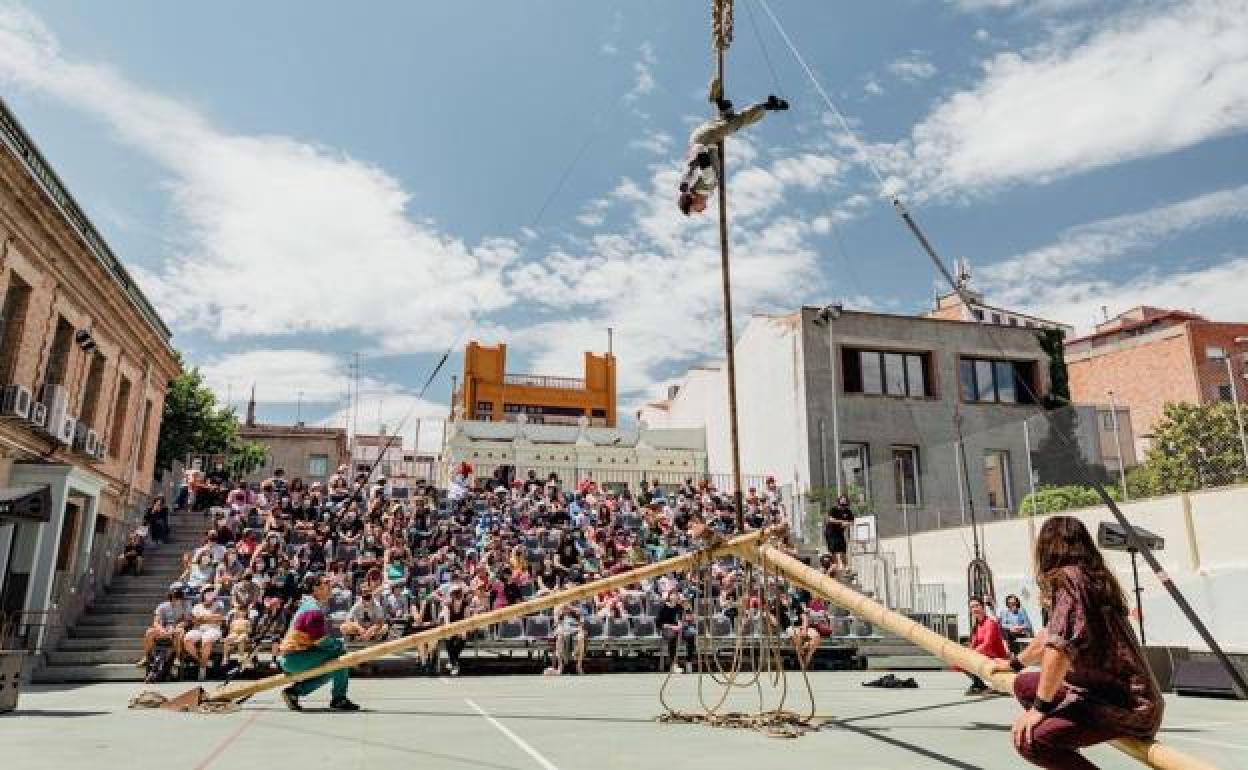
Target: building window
<point x="906" y="475"/>
<point x="1004" y="382"/>
<point x="91" y="392"/>
<point x="141" y="460"/>
<point x="877" y="373"/>
<point x="1013" y="321"/>
<point x="12" y="325"/>
<point x="856" y="470"/>
<point x="1107" y="420"/>
<point x="996" y="318"/>
<point x="318" y="465"/>
<point x="979" y="313"/>
<point x="485" y="411"/>
<point x="117" y="435"/>
<point x="1225" y="394"/>
<point x="997" y="479"/>
<point x="1214" y="353"/>
<point x="58" y="357"/>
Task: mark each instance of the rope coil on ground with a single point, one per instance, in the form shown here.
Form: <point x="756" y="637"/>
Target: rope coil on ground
<point x="767" y="658"/>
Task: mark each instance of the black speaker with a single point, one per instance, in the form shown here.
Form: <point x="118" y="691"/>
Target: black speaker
<point x="1203" y="679"/>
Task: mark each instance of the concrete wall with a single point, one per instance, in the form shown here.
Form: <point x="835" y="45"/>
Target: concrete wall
<point x="883" y="422"/>
<point x="1206" y="553"/>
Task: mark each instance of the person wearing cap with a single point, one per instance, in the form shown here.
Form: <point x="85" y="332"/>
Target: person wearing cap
<point x="169" y="621"/>
<point x="307" y="644"/>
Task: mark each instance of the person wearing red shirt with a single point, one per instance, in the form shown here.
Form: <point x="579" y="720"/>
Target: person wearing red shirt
<point x="986" y="639"/>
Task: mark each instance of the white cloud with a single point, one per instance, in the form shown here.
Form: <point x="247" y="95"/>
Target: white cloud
<point x="1216" y="292"/>
<point x="1035" y="7"/>
<point x="1088" y="246"/>
<point x="594" y="213"/>
<point x="643" y="71"/>
<point x="280" y="376"/>
<point x="261" y="209"/>
<point x="873" y="88"/>
<point x="656" y="281"/>
<point x="912" y="67"/>
<point x="284" y="376"/>
<point x="657" y="142"/>
<point x="1146" y="81"/>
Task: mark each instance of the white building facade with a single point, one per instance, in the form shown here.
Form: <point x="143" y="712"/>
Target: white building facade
<point x="574" y="452"/>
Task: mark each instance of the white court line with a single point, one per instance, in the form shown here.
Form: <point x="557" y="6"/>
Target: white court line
<point x="1208" y="742"/>
<point x="516" y="739"/>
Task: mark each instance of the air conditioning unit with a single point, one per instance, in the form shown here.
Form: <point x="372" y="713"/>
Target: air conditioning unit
<point x="65" y="429"/>
<point x="56" y="398"/>
<point x="15" y="402"/>
<point x="38" y="414"/>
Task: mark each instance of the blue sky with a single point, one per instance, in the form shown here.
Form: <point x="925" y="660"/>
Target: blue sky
<point x="293" y="181"/>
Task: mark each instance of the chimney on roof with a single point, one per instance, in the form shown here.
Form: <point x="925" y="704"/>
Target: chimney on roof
<point x="251" y="408"/>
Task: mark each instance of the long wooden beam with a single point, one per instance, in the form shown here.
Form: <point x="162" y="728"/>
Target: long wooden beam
<point x="737" y="546"/>
<point x="1151" y="753"/>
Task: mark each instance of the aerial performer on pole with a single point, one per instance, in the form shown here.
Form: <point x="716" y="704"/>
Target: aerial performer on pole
<point x="704" y="167"/>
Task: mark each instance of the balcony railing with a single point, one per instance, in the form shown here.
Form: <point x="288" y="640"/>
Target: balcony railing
<point x="543" y="381"/>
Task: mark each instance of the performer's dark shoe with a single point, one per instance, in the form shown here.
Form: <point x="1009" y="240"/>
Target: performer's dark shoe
<point x="776" y="103"/>
<point x="342" y="704"/>
<point x="292" y="700"/>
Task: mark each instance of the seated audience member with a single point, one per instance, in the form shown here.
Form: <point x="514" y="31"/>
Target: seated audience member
<point x="206" y="619"/>
<point x="238" y="638"/>
<point x="169" y="621"/>
<point x="202" y="571"/>
<point x="366" y="620"/>
<point x="1015" y="624"/>
<point x="985" y="639"/>
<point x="131" y="558"/>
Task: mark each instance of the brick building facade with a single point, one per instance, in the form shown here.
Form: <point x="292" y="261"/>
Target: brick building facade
<point x="1148" y="357"/>
<point x="85" y="362"/>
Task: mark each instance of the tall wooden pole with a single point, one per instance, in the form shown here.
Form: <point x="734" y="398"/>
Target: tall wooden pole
<point x="737" y="496"/>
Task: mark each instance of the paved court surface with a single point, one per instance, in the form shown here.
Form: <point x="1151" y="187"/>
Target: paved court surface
<point x="522" y="723"/>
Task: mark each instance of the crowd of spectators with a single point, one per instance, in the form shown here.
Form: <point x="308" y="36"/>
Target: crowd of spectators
<point x="403" y="565"/>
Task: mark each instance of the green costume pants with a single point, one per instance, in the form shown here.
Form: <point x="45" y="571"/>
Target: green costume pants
<point x="298" y="662"/>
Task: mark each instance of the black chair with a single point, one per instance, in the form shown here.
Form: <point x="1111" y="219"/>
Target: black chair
<point x="721" y="626"/>
<point x="618" y="628"/>
<point x="595" y="628"/>
<point x="511" y="629"/>
<point x="644" y="627"/>
<point x="538" y="627"/>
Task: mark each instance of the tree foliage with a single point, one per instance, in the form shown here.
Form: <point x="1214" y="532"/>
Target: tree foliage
<point x="1194" y="446"/>
<point x="193" y="423"/>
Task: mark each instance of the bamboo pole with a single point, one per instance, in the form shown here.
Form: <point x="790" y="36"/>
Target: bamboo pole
<point x="1151" y="753"/>
<point x="738" y="546"/>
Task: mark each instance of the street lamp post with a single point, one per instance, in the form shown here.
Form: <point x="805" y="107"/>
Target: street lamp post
<point x="1239" y="415"/>
<point x="1122" y="468"/>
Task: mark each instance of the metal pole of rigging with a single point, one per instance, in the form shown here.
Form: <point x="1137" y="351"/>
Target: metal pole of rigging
<point x="737" y="496"/>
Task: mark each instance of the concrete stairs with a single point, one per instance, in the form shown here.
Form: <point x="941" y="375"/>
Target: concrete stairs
<point x="108" y="638"/>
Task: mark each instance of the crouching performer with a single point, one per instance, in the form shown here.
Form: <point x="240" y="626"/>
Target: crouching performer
<point x="307" y="644"/>
<point x="1094" y="684"/>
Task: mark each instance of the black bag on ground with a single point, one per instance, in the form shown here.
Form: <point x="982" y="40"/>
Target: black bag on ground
<point x="160" y="663"/>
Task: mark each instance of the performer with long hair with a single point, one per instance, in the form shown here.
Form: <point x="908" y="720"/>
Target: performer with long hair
<point x="1093" y="684"/>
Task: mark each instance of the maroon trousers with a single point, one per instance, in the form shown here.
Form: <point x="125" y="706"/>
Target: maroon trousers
<point x="1056" y="740"/>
